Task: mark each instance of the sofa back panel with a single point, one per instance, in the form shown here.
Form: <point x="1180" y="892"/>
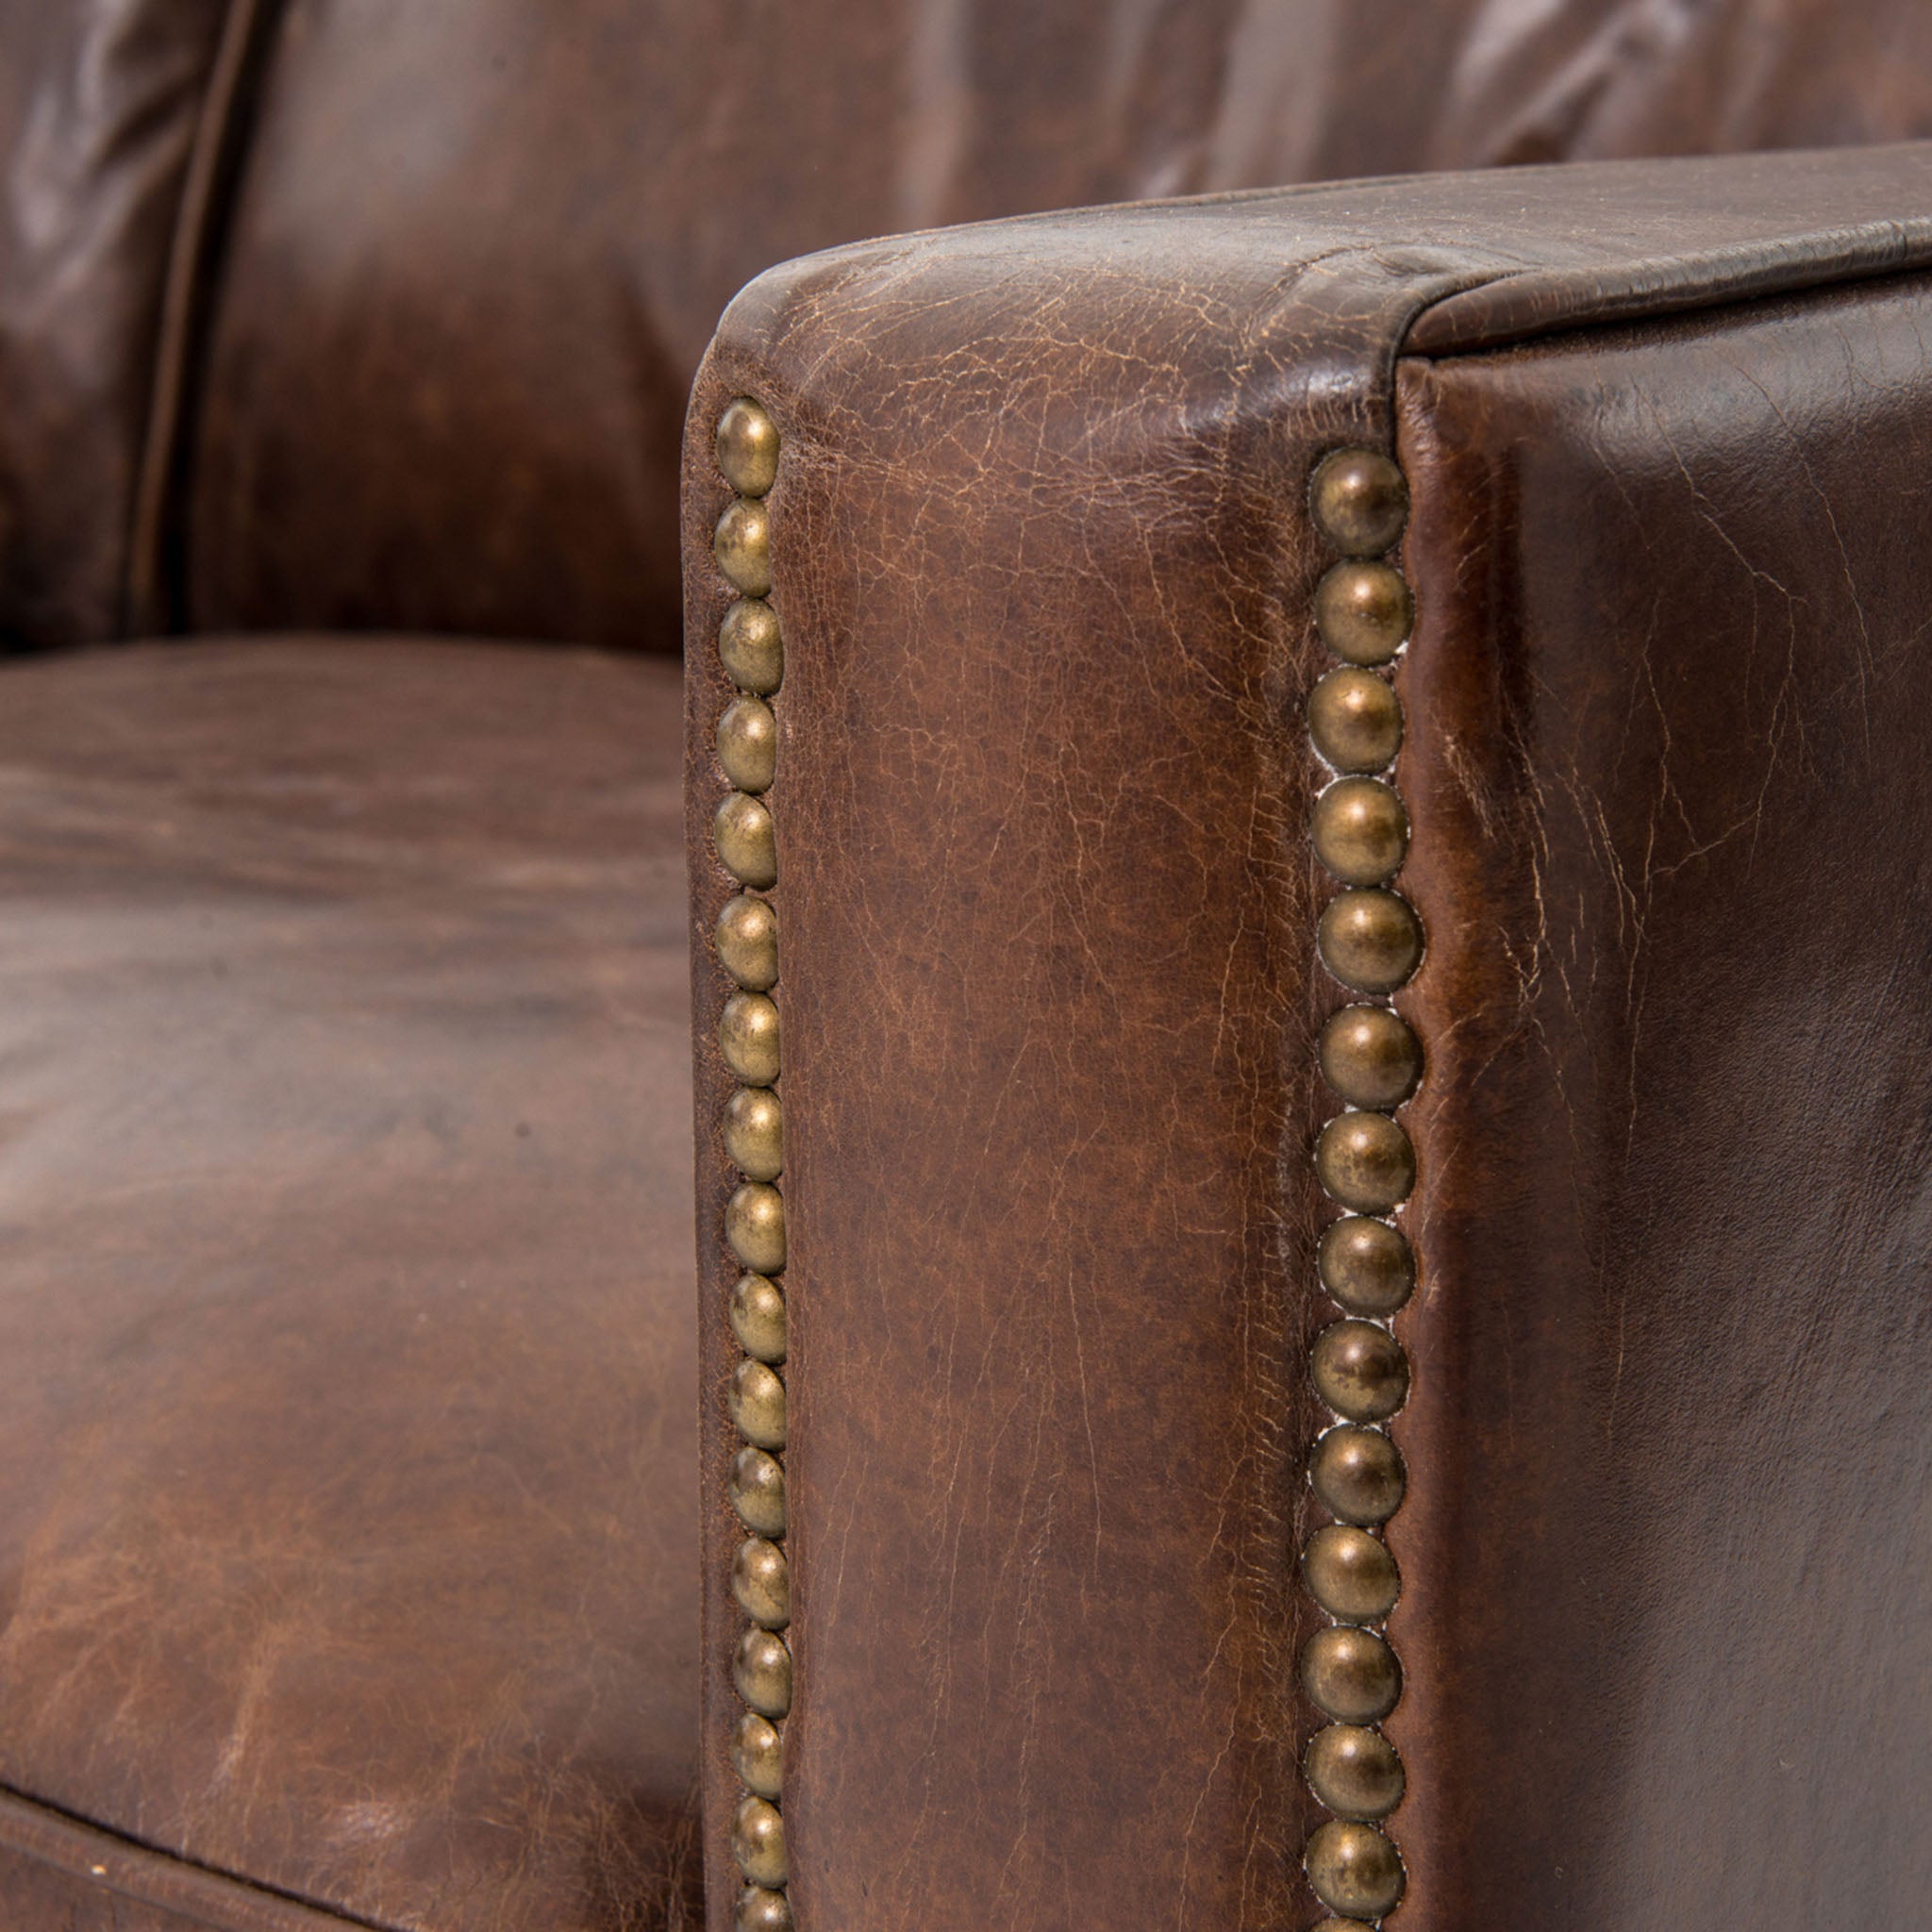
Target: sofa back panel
<point x="104" y="106"/>
<point x="479" y="245"/>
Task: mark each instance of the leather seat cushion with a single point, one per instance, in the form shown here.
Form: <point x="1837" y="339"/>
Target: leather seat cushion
<point x="347" y="1459"/>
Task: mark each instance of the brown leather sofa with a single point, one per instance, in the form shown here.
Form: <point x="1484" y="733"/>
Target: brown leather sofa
<point x="1336" y="1327"/>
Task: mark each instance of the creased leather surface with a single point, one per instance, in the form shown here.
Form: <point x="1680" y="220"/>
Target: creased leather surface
<point x="346" y="1539"/>
<point x="98" y="110"/>
<point x="1668" y="1541"/>
<point x="1039" y="545"/>
<point x="481" y="243"/>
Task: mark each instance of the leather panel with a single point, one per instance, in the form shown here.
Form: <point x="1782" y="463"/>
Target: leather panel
<point x="1667" y="1543"/>
<point x="56" y="1875"/>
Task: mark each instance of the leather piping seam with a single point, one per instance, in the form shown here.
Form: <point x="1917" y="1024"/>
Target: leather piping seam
<point x="751" y="1129"/>
<point x="125" y="1867"/>
<point x="1370" y="940"/>
<point x="187" y="287"/>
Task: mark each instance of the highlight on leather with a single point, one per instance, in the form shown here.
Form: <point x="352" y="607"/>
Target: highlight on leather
<point x="1371" y="941"/>
<point x="752" y="1130"/>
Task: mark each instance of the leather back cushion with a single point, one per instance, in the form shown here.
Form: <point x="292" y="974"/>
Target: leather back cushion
<point x="479" y="245"/>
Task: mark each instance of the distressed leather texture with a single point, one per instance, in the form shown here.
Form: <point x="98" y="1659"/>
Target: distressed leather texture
<point x="1042" y="552"/>
<point x="346" y="1529"/>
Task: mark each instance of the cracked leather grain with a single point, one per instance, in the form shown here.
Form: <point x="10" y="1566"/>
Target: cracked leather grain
<point x="1041" y="553"/>
<point x="479" y="247"/>
<point x="346" y="1539"/>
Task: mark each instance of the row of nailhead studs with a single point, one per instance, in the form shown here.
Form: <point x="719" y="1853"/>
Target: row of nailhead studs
<point x="1369" y="938"/>
<point x="751" y="650"/>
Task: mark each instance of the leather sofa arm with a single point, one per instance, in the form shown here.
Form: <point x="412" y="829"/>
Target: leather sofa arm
<point x="1081" y="1455"/>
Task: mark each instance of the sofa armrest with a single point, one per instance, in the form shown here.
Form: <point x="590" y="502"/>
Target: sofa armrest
<point x="1102" y="1428"/>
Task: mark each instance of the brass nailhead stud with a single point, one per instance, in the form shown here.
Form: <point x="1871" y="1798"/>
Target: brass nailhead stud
<point x="748" y="942"/>
<point x="751" y="647"/>
<point x="1354" y="1869"/>
<point x="1356" y="720"/>
<point x="1360" y="1371"/>
<point x="1365" y="611"/>
<point x="1351" y="1573"/>
<point x="1356" y="1474"/>
<point x="758" y="1318"/>
<point x="748" y="448"/>
<point x="757" y="1491"/>
<point x="749" y="1038"/>
<point x="1351" y="1674"/>
<point x="1354" y="1770"/>
<point x="757" y="1750"/>
<point x="761" y="1670"/>
<point x="757" y="1399"/>
<point x="1370" y="1057"/>
<point x="1360" y="831"/>
<point x="1370" y="940"/>
<point x="1365" y="1162"/>
<point x="746" y="841"/>
<point x="742" y="545"/>
<point x="1367" y="1266"/>
<point x="755" y="1226"/>
<point x="758" y="1842"/>
<point x="762" y="1585"/>
<point x="748" y="744"/>
<point x="1344" y="1926"/>
<point x="760" y="1911"/>
<point x="1361" y="501"/>
<point x="754" y="1133"/>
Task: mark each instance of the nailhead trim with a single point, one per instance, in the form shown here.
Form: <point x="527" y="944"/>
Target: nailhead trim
<point x="1363" y="1155"/>
<point x="751" y="1128"/>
